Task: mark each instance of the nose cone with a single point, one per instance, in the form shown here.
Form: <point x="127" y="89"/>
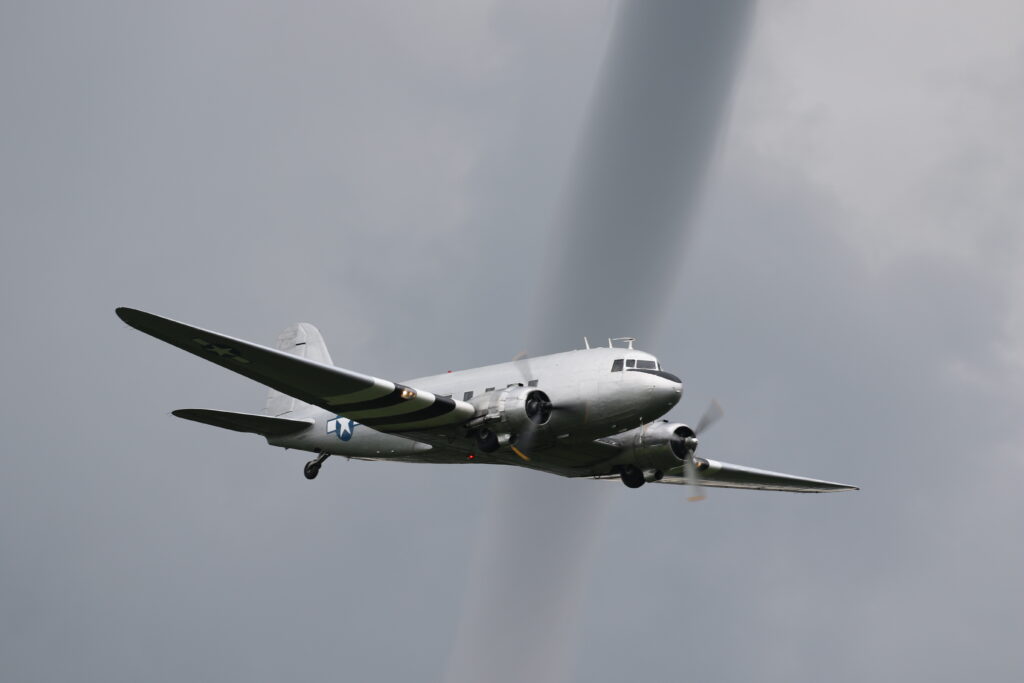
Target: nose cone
<point x="663" y="388"/>
<point x="669" y="388"/>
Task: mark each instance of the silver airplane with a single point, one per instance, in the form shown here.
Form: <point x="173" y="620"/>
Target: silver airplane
<point x="586" y="413"/>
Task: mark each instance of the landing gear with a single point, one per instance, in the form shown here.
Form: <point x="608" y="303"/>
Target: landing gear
<point x="487" y="441"/>
<point x="632" y="476"/>
<point x="312" y="467"/>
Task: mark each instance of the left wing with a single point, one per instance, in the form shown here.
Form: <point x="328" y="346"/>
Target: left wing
<point x="379" y="403"/>
<point x="725" y="475"/>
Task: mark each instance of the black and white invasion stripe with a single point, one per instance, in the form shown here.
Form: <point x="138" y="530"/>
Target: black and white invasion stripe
<point x="392" y="407"/>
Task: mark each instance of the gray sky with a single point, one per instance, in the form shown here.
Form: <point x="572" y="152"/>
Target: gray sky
<point x="851" y="294"/>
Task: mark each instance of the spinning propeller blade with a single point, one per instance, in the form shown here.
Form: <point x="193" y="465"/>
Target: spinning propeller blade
<point x="712" y="415"/>
<point x="692" y="464"/>
<point x="691" y="472"/>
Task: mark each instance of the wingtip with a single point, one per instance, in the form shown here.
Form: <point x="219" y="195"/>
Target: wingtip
<point x="133" y="316"/>
<point x="125" y="313"/>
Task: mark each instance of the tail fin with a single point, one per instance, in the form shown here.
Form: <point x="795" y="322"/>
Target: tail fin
<point x="305" y="341"/>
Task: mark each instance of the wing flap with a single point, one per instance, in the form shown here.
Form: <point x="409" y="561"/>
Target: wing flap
<point x="384" y="405"/>
<point x="726" y="475"/>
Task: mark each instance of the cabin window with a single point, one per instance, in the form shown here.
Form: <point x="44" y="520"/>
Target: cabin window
<point x="646" y="365"/>
<point x="617" y="365"/>
<point x="630" y="363"/>
<point x="489" y="389"/>
<point x="468" y="395"/>
<point x="532" y="383"/>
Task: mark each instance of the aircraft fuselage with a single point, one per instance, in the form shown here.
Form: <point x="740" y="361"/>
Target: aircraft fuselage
<point x="594" y="392"/>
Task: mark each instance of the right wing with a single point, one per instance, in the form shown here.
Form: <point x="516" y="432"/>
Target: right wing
<point x="378" y="403"/>
<point x="727" y="475"/>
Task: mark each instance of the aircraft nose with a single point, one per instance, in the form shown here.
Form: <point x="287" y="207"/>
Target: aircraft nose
<point x="670" y="388"/>
<point x="670" y="377"/>
<point x="664" y="387"/>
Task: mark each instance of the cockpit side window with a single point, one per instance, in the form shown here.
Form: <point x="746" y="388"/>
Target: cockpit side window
<point x="617" y="365"/>
<point x="646" y="365"/>
<point x="630" y="363"/>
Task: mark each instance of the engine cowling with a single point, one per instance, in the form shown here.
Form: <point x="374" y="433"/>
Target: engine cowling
<point x="502" y="415"/>
<point x="662" y="446"/>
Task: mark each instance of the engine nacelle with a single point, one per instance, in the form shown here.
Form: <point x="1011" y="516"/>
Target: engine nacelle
<point x="502" y="415"/>
<point x="662" y="446"/>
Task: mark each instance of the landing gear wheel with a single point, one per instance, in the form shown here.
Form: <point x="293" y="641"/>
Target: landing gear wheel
<point x="632" y="476"/>
<point x="487" y="441"/>
<point x="311" y="469"/>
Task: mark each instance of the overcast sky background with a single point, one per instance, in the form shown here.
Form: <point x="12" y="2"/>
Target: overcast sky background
<point x="852" y="294"/>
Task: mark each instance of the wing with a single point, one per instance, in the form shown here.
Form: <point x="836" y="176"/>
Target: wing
<point x="726" y="475"/>
<point x="384" y="405"/>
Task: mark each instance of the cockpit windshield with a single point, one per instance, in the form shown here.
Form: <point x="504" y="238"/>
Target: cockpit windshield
<point x="634" y="364"/>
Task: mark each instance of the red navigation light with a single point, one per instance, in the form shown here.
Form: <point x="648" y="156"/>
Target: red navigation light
<point x="471" y="456"/>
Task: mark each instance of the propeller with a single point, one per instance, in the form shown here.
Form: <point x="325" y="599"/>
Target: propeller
<point x="692" y="465"/>
<point x="522" y="361"/>
<point x="538" y="409"/>
<point x="524" y="439"/>
<point x="712" y="415"/>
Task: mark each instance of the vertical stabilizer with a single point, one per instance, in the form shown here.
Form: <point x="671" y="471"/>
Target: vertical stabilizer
<point x="305" y="341"/>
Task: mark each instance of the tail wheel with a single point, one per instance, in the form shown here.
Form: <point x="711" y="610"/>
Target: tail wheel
<point x="311" y="469"/>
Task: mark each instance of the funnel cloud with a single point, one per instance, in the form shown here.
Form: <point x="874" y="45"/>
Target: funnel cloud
<point x="657" y="111"/>
<point x="659" y="106"/>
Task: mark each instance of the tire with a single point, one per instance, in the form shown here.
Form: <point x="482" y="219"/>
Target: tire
<point x="486" y="441"/>
<point x="311" y="470"/>
<point x="632" y="476"/>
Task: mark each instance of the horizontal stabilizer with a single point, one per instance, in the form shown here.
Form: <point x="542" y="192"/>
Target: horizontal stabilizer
<point x="244" y="422"/>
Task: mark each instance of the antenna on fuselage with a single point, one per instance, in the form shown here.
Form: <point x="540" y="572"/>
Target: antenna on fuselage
<point x="586" y="342"/>
<point x="629" y="342"/>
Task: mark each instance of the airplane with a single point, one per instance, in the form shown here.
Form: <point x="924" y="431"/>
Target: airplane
<point x="592" y="412"/>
